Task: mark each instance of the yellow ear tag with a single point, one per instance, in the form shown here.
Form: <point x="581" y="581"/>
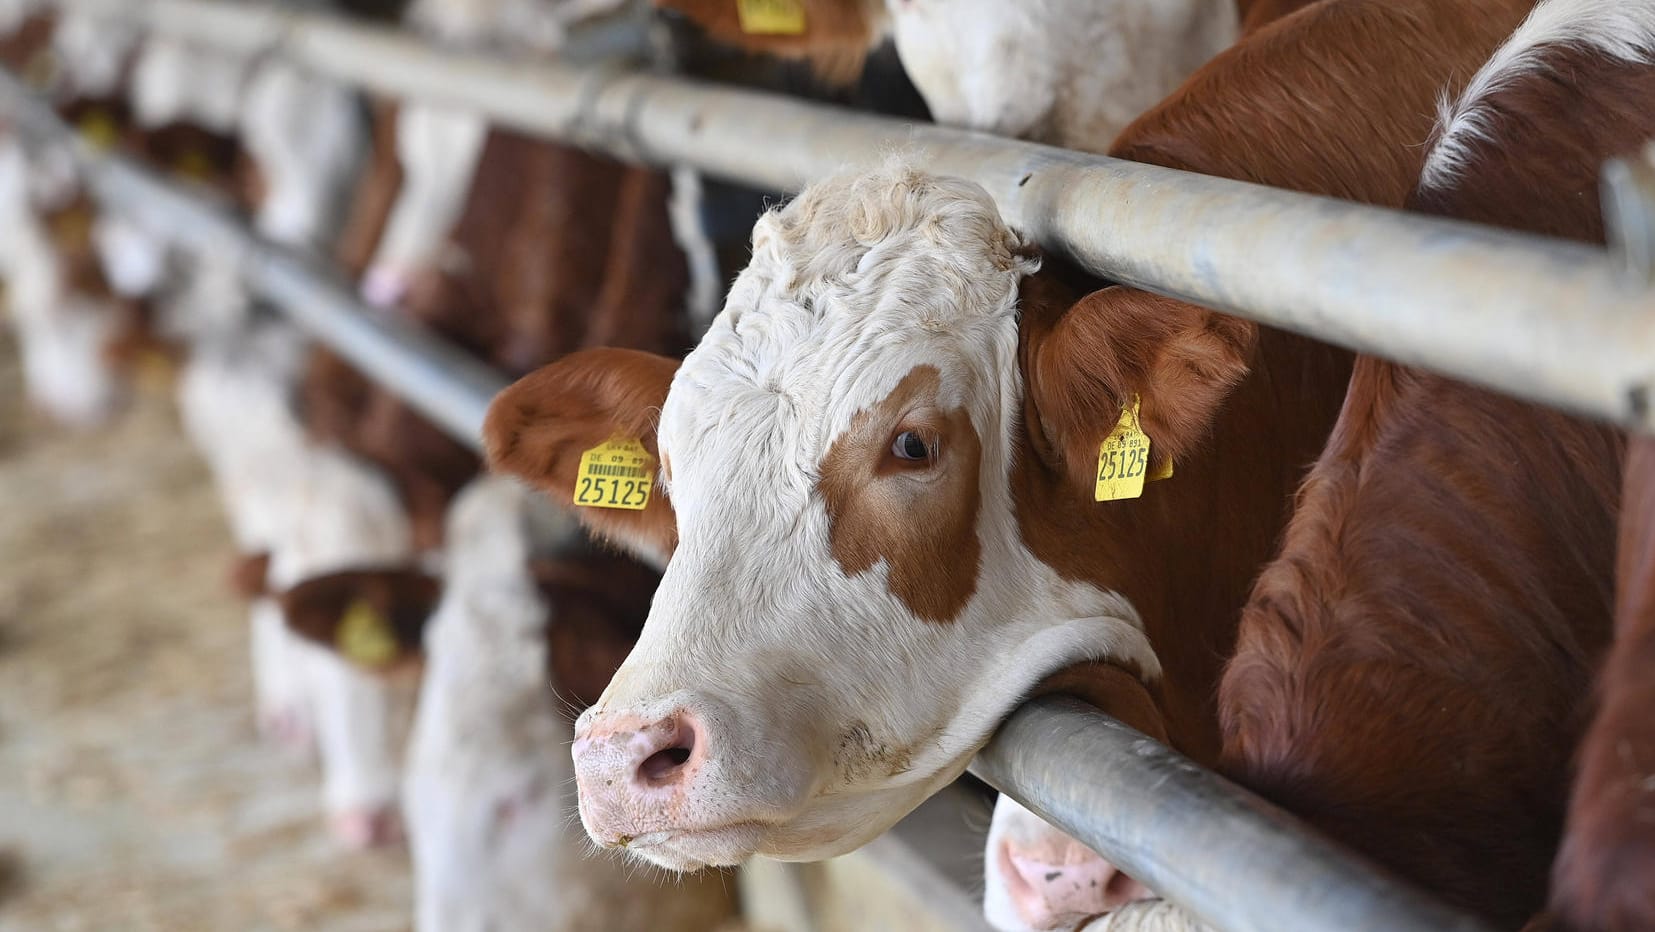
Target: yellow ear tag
<point x="1123" y="460"/>
<point x="99" y="130"/>
<point x="616" y="474"/>
<point x="364" y="636"/>
<point x="771" y="17"/>
<point x="193" y="165"/>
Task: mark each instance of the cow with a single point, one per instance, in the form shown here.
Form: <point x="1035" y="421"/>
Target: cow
<point x="1410" y="672"/>
<point x="488" y="791"/>
<point x="1071" y="73"/>
<point x="878" y="471"/>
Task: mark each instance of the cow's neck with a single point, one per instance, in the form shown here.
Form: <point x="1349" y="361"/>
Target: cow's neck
<point x="1186" y="553"/>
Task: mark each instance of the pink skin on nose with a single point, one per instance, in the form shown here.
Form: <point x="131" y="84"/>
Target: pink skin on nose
<point x="1055" y="889"/>
<point x="634" y="776"/>
<point x="384" y="286"/>
<point x="361" y="829"/>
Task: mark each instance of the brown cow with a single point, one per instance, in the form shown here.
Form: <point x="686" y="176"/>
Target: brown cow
<point x="1410" y="673"/>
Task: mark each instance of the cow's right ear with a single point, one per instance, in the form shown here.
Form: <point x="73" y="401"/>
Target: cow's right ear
<point x="541" y="427"/>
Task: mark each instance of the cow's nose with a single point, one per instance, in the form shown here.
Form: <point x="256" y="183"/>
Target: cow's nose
<point x="1054" y="890"/>
<point x="628" y="768"/>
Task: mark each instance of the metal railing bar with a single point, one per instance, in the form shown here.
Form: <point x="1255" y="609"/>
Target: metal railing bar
<point x="1542" y="319"/>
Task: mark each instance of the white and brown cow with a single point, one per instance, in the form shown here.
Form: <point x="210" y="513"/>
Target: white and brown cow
<point x="878" y="472"/>
<point x="1069" y="72"/>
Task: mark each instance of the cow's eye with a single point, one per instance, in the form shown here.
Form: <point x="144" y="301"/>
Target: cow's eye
<point x="909" y="445"/>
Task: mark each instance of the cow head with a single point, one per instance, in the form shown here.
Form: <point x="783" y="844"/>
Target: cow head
<point x="861" y="578"/>
<point x="1065" y="71"/>
<point x="307" y="136"/>
<point x="489" y="789"/>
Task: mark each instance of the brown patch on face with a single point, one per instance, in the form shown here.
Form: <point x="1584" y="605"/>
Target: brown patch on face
<point x="920" y="518"/>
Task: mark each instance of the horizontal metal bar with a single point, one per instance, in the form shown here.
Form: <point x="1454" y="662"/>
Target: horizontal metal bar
<point x="1235" y="861"/>
<point x="449" y="387"/>
<point x="1541" y="319"/>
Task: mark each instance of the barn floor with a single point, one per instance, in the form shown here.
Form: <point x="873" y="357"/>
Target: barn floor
<point x="133" y="793"/>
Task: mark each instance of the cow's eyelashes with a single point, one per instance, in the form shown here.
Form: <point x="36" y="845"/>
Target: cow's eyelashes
<point x="911" y="446"/>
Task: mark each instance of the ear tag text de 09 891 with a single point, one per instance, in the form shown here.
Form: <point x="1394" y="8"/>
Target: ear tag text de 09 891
<point x="615" y="474"/>
<point x="1123" y="460"/>
<point x="364" y="636"/>
<point x="771" y="17"/>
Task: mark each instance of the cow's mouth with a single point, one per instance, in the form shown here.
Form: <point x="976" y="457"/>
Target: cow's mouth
<point x="688" y="850"/>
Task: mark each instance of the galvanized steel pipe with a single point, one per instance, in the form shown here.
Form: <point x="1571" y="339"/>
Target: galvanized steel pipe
<point x="1538" y="318"/>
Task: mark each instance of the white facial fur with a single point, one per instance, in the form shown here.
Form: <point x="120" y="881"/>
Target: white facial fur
<point x="343" y="514"/>
<point x="830" y="708"/>
<point x="439" y="149"/>
<point x="92" y="50"/>
<point x="173" y="81"/>
<point x="1067" y="72"/>
<point x="235" y="397"/>
<point x="307" y="136"/>
<point x="62" y="335"/>
<point x="487" y="796"/>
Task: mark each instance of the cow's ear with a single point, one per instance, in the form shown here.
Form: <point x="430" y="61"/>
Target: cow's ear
<point x="248" y="574"/>
<point x="1087" y="358"/>
<point x="597" y="605"/>
<point x="834" y="36"/>
<point x="375" y="618"/>
<point x="541" y="428"/>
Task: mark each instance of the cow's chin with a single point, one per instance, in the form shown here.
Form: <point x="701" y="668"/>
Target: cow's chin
<point x="829" y="826"/>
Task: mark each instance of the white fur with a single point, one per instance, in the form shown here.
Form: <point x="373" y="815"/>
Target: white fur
<point x="132" y="257"/>
<point x="62" y="335"/>
<point x="439" y="150"/>
<point x="489" y="797"/>
<point x="13" y="13"/>
<point x="92" y="51"/>
<point x="307" y="135"/>
<point x="1620" y="29"/>
<point x="756" y="628"/>
<point x="173" y="81"/>
<point x="344" y="514"/>
<point x="1068" y="72"/>
<point x="234" y="393"/>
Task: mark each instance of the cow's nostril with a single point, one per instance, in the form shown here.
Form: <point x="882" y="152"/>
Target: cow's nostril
<point x="667" y="765"/>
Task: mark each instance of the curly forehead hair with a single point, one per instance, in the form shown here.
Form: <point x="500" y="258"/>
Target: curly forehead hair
<point x="855" y="225"/>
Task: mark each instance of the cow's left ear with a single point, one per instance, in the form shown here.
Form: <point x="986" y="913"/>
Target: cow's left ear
<point x="1087" y="357"/>
<point x="597" y="605"/>
<point x="373" y="618"/>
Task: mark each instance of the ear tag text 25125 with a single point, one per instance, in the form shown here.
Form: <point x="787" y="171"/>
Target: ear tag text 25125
<point x="1123" y="460"/>
<point x="615" y="474"/>
<point x="771" y="17"/>
<point x="364" y="636"/>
